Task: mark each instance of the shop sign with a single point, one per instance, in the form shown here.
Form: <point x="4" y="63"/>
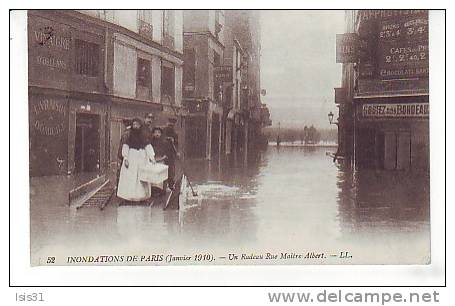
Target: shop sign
<point x="368" y="15"/>
<point x="223" y="74"/>
<point x="398" y="110"/>
<point x="48" y="128"/>
<point x="395" y="53"/>
<point x="340" y="95"/>
<point x="403" y="48"/>
<point x="347" y="48"/>
<point x="50" y="49"/>
<point x="48" y="117"/>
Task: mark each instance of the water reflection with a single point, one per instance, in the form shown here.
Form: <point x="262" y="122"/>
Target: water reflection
<point x="281" y="199"/>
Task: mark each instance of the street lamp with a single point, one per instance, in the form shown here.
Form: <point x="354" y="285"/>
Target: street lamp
<point x="330" y="115"/>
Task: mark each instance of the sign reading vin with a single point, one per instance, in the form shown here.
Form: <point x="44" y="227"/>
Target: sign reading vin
<point x="396" y="110"/>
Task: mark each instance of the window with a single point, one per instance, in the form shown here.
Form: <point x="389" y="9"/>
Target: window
<point x="189" y="69"/>
<point x="108" y="15"/>
<point x="167" y="82"/>
<point x="87" y="58"/>
<point x="143" y="72"/>
<point x="144" y="18"/>
<point x="168" y="28"/>
<point x="218" y="25"/>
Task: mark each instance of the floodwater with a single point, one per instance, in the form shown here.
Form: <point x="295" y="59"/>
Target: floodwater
<point x="283" y="200"/>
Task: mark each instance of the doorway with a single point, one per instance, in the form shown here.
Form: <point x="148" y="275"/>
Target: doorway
<point x="394" y="150"/>
<point x="87" y="143"/>
<point x="215" y="135"/>
<point x="196" y="134"/>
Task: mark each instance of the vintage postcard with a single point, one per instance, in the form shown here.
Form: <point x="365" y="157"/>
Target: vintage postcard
<point x="229" y="137"/>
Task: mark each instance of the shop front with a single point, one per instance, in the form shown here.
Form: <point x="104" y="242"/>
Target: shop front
<point x="48" y="134"/>
<point x="391" y="90"/>
<point x="67" y="100"/>
<point x="66" y="135"/>
<point x="393" y="135"/>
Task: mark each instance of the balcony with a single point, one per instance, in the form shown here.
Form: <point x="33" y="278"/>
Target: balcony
<point x="145" y="29"/>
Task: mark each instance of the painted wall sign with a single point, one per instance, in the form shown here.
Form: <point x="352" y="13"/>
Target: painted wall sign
<point x="403" y="48"/>
<point x="395" y="51"/>
<point x="49" y="117"/>
<point x="50" y="49"/>
<point x="368" y="15"/>
<point x="399" y="110"/>
<point x="48" y="128"/>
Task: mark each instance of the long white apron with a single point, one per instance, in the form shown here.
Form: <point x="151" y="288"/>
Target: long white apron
<point x="130" y="188"/>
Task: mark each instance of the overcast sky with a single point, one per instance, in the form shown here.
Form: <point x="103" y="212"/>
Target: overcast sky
<point x="298" y="67"/>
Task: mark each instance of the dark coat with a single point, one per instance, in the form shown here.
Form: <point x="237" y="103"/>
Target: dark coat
<point x="123" y="140"/>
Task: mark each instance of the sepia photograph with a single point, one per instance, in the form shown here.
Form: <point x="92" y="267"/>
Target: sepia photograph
<point x="229" y="137"/>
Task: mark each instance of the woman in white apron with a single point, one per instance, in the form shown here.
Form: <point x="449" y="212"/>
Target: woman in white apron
<point x="136" y="152"/>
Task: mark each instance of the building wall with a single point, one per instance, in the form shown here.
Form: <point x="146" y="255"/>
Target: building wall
<point x="62" y="95"/>
<point x="202" y="36"/>
<point x="126" y="52"/>
<point x="383" y="141"/>
<point x="195" y="20"/>
<point x="60" y="89"/>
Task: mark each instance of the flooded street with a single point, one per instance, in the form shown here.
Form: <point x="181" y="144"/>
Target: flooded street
<point x="282" y="200"/>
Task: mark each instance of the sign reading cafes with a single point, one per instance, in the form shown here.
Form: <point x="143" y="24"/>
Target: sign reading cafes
<point x="394" y="56"/>
<point x="399" y="110"/>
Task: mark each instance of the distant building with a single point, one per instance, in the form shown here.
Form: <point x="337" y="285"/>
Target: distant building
<point x="221" y="86"/>
<point x="384" y="99"/>
<point x="90" y="69"/>
<point x="245" y="115"/>
<point x="202" y="93"/>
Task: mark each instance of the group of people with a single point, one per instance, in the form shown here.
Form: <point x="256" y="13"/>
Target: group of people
<point x="142" y="143"/>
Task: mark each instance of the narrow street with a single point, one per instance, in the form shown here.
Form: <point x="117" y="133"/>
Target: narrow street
<point x="284" y="199"/>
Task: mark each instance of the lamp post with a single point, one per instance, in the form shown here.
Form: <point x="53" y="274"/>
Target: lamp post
<point x="330" y="115"/>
